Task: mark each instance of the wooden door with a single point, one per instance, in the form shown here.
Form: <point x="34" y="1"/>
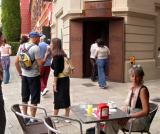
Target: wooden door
<point x="76" y="47"/>
<point x="116" y="46"/>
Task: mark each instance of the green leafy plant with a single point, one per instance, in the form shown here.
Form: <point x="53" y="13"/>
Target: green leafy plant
<point x="11" y="21"/>
<point x="15" y="46"/>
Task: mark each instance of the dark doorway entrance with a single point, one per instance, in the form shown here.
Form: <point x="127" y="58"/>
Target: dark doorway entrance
<point x="84" y="31"/>
<point x="46" y="30"/>
<point x="91" y="31"/>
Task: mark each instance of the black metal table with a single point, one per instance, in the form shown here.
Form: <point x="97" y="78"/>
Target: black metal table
<point x="80" y="112"/>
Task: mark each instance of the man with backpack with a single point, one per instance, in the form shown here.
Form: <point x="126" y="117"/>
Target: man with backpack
<point x="28" y="62"/>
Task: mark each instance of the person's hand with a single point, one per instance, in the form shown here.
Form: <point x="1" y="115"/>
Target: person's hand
<point x="54" y="87"/>
<point x="47" y="52"/>
<point x="20" y="76"/>
<point x="124" y="108"/>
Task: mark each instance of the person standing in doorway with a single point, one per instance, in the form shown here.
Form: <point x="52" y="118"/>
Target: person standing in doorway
<point x="2" y="111"/>
<point x="6" y="51"/>
<point x="94" y="72"/>
<point x="31" y="78"/>
<point x="45" y="69"/>
<point x="61" y="83"/>
<point x="102" y="54"/>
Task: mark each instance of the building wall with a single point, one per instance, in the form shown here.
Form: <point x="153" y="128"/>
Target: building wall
<point x="62" y="13"/>
<point x="41" y="16"/>
<point x="25" y="17"/>
<point x="142" y="33"/>
<point x="142" y="29"/>
<point x="0" y="13"/>
<point x="45" y="18"/>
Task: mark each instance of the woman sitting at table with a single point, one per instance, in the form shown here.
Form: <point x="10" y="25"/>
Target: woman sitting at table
<point x="136" y="104"/>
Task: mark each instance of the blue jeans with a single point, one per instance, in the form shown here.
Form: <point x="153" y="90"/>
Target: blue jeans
<point x="6" y="76"/>
<point x="5" y="60"/>
<point x="101" y="65"/>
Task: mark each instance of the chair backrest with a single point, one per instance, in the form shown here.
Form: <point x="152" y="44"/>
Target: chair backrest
<point x="49" y="123"/>
<point x="15" y="108"/>
<point x="34" y="128"/>
<point x="51" y="127"/>
<point x="152" y="110"/>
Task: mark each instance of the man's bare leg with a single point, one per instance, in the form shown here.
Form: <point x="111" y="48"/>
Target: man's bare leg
<point x="33" y="110"/>
<point x="24" y="108"/>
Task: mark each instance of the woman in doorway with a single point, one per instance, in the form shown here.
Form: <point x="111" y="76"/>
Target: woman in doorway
<point x="6" y="51"/>
<point x="102" y="53"/>
<point x="61" y="83"/>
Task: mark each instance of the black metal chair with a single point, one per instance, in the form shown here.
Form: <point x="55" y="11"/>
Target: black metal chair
<point x="56" y="128"/>
<point x="153" y="109"/>
<point x="37" y="127"/>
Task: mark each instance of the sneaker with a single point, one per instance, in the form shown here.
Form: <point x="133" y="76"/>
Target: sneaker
<point x="102" y="87"/>
<point x="67" y="121"/>
<point x="31" y="121"/>
<point x="26" y="120"/>
<point x="44" y="91"/>
<point x="55" y="120"/>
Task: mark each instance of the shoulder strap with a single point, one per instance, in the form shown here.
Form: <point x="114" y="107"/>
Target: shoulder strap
<point x="28" y="47"/>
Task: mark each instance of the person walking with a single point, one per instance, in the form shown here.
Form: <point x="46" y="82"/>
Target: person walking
<point x="102" y="54"/>
<point x="61" y="83"/>
<point x="2" y="111"/>
<point x="30" y="78"/>
<point x="45" y="69"/>
<point x="94" y="72"/>
<point x="6" y="51"/>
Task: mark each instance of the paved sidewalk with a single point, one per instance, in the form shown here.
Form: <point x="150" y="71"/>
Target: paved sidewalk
<point x="83" y="91"/>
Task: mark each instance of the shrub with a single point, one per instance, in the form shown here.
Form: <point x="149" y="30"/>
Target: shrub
<point x="11" y="22"/>
<point x="15" y="46"/>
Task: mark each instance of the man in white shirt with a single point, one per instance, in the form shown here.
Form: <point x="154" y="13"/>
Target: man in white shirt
<point x="94" y="72"/>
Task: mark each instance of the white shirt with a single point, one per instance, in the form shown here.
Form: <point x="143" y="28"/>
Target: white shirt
<point x="93" y="50"/>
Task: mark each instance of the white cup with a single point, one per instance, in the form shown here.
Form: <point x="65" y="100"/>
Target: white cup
<point x="112" y="104"/>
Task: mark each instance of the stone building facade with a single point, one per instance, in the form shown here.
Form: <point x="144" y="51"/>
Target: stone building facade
<point x="129" y="28"/>
<point x="41" y="16"/>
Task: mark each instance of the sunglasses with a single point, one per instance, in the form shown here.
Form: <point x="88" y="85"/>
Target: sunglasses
<point x="134" y="66"/>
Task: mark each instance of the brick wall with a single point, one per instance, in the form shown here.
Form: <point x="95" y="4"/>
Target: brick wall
<point x="25" y="17"/>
